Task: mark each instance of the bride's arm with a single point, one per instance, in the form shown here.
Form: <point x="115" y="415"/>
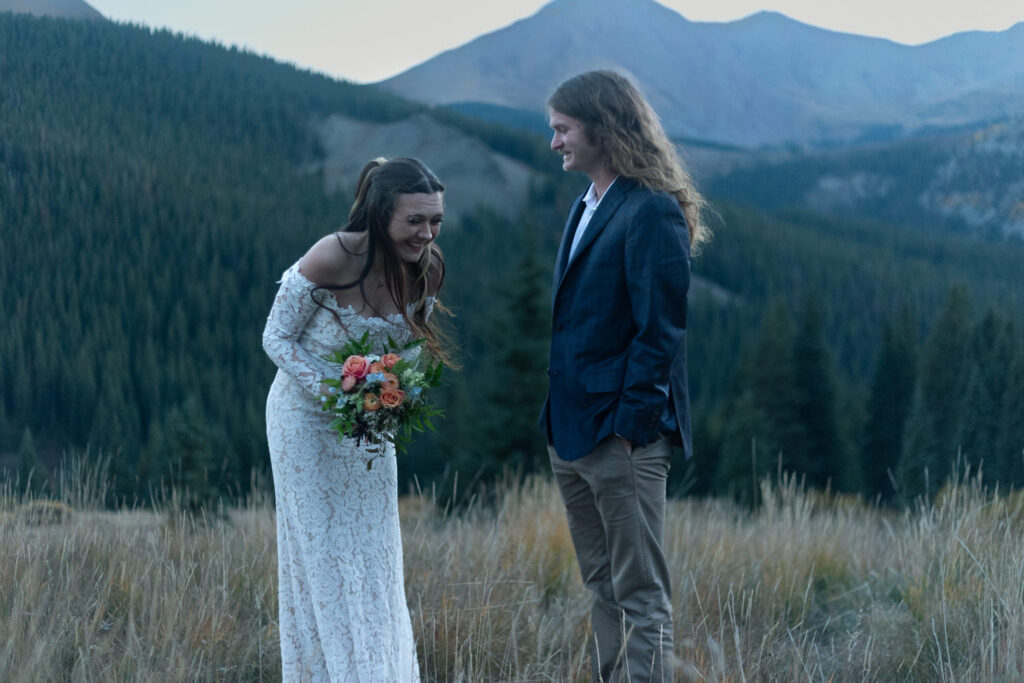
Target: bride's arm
<point x="293" y="307"/>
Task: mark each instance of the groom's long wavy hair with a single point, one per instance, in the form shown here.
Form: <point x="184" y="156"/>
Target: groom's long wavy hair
<point x="615" y="115"/>
<point x="380" y="184"/>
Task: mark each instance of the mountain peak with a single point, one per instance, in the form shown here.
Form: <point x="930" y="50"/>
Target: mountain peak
<point x="766" y="15"/>
<point x="68" y="9"/>
<point x="612" y="11"/>
<point x="592" y="5"/>
<point x="767" y="20"/>
<point x="808" y="85"/>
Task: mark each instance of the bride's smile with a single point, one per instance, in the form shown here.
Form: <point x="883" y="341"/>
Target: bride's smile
<point x="416" y="223"/>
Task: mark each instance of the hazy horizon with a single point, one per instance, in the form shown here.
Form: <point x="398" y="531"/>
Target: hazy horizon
<point x="364" y="42"/>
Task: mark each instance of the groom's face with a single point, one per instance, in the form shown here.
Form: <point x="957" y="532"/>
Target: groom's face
<point x="570" y="140"/>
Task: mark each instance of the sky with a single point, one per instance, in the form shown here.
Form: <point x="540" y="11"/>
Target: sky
<point x="369" y="40"/>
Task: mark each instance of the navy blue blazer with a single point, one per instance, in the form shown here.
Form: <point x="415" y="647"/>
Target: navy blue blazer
<point x="618" y="335"/>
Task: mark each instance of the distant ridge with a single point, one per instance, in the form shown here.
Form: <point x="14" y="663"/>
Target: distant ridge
<point x="70" y="9"/>
<point x="765" y="80"/>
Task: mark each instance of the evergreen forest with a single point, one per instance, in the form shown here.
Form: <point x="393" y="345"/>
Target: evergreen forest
<point x="154" y="187"/>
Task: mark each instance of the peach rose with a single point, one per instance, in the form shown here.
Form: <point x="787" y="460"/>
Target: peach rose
<point x="348" y="383"/>
<point x="390" y="381"/>
<point x="370" y="402"/>
<point x="376" y="367"/>
<point x="391" y="398"/>
<point x="388" y="360"/>
<point x="355" y="366"/>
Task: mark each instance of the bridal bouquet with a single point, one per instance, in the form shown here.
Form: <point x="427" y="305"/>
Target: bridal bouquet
<point x="380" y="398"/>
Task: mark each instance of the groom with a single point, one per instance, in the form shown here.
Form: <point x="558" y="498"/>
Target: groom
<point x="617" y="398"/>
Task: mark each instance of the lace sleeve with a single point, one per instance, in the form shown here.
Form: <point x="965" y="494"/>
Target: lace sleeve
<point x="293" y="307"/>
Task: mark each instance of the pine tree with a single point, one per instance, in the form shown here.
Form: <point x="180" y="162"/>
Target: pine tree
<point x="975" y="432"/>
<point x="191" y="457"/>
<point x="991" y="356"/>
<point x="851" y="416"/>
<point x="930" y="440"/>
<point x="747" y="453"/>
<point x="772" y="377"/>
<point x="4" y="424"/>
<point x="1010" y="438"/>
<point x="518" y="356"/>
<point x="760" y="421"/>
<point x="892" y="392"/>
<point x="915" y="474"/>
<point x="820" y="453"/>
<point x="696" y="476"/>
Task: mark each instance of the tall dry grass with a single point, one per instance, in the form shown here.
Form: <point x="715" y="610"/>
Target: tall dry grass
<point x="808" y="588"/>
<point x="134" y="595"/>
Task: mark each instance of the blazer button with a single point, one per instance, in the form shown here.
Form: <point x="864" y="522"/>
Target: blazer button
<point x="552" y="373"/>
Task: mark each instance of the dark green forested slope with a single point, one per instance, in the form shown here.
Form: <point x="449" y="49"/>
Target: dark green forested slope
<point x="861" y="318"/>
<point x="151" y="194"/>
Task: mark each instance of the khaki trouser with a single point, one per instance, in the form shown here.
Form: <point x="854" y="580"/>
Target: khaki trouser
<point x="615" y="503"/>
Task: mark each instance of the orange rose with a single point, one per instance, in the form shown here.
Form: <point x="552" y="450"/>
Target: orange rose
<point x="376" y="367"/>
<point x="355" y="366"/>
<point x="390" y="381"/>
<point x="391" y="398"/>
<point x="370" y="402"/>
<point x="388" y="360"/>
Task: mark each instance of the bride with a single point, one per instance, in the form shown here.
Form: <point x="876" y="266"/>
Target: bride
<point x="342" y="609"/>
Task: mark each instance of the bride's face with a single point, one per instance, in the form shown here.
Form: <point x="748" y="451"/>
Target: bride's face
<point x="415" y="223"/>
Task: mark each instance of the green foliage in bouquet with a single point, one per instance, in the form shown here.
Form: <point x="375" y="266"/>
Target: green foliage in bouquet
<point x="381" y="398"/>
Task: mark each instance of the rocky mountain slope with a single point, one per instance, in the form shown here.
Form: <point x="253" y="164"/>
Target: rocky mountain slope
<point x="473" y="174"/>
<point x="970" y="180"/>
<point x="762" y="80"/>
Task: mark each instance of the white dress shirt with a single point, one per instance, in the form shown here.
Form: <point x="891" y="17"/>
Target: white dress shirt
<point x="591" y="203"/>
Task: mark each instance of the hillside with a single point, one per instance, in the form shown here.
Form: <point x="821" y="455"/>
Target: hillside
<point x="474" y="174"/>
<point x="153" y="188"/>
<point x="968" y="181"/>
<point x="70" y="9"/>
<point x="805" y="85"/>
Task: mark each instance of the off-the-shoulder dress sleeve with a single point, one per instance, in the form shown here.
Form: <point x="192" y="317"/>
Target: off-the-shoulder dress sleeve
<point x="293" y="307"/>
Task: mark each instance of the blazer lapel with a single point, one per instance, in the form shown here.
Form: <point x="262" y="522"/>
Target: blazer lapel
<point x="605" y="210"/>
<point x="575" y="213"/>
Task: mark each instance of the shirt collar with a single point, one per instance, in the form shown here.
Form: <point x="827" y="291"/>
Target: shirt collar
<point x="590" y="198"/>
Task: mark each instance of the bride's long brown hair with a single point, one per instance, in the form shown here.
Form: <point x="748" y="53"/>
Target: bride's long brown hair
<point x="380" y="184"/>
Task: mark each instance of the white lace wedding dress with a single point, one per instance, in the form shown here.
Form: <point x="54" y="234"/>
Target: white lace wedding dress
<point x="342" y="609"/>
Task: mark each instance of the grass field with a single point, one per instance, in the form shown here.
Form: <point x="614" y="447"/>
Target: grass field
<point x="807" y="588"/>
